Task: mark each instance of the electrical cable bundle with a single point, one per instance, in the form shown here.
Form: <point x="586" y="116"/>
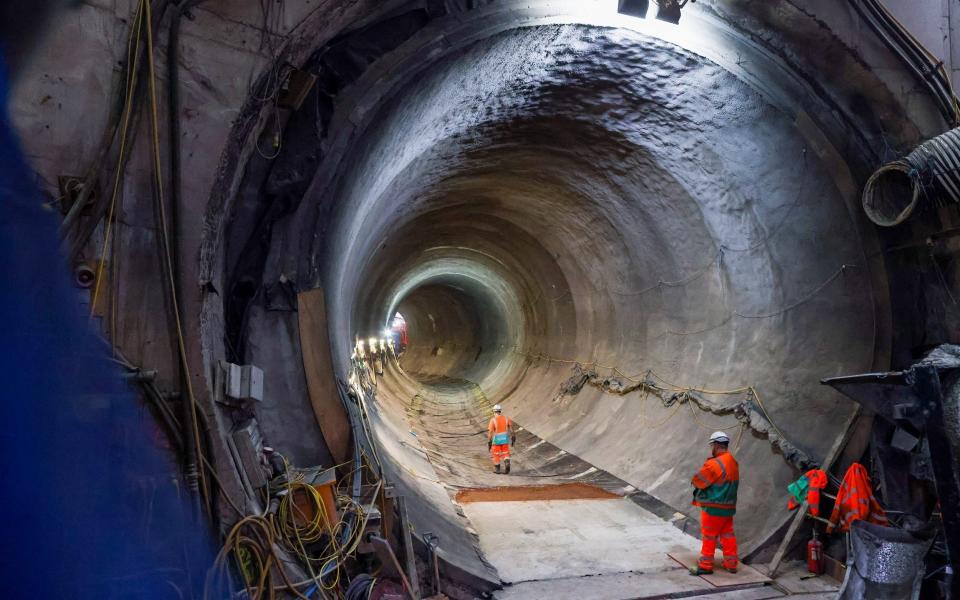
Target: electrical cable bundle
<point x="926" y="67"/>
<point x="321" y="546"/>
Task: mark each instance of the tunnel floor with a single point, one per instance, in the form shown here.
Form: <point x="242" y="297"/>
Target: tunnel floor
<point x="557" y="526"/>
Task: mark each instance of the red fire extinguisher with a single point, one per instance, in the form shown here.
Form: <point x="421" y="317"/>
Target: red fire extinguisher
<point x="815" y="555"/>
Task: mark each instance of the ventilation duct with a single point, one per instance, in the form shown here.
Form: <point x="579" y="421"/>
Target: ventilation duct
<point x="929" y="172"/>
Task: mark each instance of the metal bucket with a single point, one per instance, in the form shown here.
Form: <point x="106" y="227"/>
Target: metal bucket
<point x="883" y="563"/>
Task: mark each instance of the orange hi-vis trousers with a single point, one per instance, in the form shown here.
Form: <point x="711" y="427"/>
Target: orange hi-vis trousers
<point x="715" y="529"/>
<point x="499" y="452"/>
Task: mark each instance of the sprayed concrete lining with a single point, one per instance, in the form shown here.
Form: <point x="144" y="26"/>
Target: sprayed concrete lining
<point x="532" y="190"/>
<point x="577" y="193"/>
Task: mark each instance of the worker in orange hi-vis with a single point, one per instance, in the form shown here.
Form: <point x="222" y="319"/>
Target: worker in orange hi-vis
<point x="715" y="492"/>
<point x="500" y="436"/>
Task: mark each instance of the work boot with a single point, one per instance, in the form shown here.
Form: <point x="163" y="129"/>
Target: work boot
<point x="700" y="571"/>
<point x="730" y="569"/>
<point x="506" y="466"/>
<point x="496" y="468"/>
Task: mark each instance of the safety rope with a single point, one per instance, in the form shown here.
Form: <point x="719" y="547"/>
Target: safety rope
<point x="679" y="390"/>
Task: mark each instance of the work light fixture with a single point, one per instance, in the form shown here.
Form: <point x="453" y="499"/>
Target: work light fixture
<point x="633" y="8"/>
<point x="667" y="10"/>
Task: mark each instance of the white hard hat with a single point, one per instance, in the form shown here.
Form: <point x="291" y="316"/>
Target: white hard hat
<point x="719" y="437"/>
<point x="497" y="408"/>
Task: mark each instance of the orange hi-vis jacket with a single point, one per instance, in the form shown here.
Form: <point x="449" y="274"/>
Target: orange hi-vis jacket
<point x="716" y="485"/>
<point x="498" y="431"/>
<point x="855" y="501"/>
<point x="816" y="482"/>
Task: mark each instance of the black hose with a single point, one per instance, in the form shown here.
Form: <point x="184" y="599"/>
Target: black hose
<point x="85" y="230"/>
<point x="190" y="466"/>
<point x="926" y="72"/>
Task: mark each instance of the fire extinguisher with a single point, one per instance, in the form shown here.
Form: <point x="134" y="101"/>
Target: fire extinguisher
<point x="815" y="555"/>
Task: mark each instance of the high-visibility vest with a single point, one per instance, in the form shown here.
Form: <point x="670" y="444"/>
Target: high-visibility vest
<point x="807" y="488"/>
<point x="716" y="485"/>
<point x="499" y="430"/>
<point x="855" y="501"/>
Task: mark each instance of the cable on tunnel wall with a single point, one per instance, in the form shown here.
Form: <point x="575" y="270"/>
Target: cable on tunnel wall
<point x="758" y="420"/>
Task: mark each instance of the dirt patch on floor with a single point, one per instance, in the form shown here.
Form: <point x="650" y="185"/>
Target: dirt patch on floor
<point x="566" y="491"/>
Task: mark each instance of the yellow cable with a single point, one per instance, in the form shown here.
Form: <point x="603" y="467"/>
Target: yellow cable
<point x="702" y="425"/>
<point x="765" y="413"/>
<point x="671" y="387"/>
<point x="132" y="70"/>
<point x="158" y="174"/>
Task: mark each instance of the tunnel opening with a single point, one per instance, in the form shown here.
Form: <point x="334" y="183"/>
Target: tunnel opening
<point x="449" y="329"/>
<point x="565" y="196"/>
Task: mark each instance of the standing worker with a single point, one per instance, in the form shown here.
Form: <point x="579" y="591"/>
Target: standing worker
<point x="716" y="494"/>
<point x="500" y="436"/>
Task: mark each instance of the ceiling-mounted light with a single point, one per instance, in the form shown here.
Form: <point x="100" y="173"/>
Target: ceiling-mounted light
<point x="633" y="8"/>
<point x="669" y="10"/>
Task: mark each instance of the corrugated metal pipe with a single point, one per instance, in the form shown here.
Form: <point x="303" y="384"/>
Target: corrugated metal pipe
<point x="931" y="173"/>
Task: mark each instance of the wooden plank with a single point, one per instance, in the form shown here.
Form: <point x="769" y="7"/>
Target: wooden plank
<point x="785" y="543"/>
<point x="321" y="380"/>
<point x="745" y="573"/>
<point x="407" y="538"/>
<point x="802" y="511"/>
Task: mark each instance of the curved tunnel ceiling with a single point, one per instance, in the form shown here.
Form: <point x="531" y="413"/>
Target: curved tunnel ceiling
<point x="599" y="194"/>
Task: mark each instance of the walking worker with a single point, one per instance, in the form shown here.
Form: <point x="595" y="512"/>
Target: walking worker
<point x="500" y="436"/>
<point x="716" y="494"/>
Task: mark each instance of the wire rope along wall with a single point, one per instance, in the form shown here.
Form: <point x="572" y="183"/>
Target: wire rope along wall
<point x="749" y="412"/>
<point x="931" y="171"/>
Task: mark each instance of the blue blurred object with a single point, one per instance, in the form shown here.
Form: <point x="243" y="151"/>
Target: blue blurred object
<point x="92" y="505"/>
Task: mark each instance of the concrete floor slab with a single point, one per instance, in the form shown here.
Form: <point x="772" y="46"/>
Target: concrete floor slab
<point x="794" y="578"/>
<point x="631" y="586"/>
<point x="617" y="586"/>
<point x="554" y="539"/>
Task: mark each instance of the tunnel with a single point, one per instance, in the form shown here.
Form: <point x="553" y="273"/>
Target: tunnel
<point x="583" y="192"/>
<point x="630" y="234"/>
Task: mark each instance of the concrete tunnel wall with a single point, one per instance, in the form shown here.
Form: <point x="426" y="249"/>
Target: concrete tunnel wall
<point x="647" y="209"/>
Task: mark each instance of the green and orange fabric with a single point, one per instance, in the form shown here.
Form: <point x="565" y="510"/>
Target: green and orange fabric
<point x="716" y="485"/>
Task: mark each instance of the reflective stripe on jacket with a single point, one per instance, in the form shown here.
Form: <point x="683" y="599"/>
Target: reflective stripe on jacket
<point x="808" y="487"/>
<point x="716" y="485"/>
<point x="855" y="501"/>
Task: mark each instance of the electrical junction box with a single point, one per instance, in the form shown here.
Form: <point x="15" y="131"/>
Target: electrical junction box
<point x="248" y="449"/>
<point x="243" y="382"/>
